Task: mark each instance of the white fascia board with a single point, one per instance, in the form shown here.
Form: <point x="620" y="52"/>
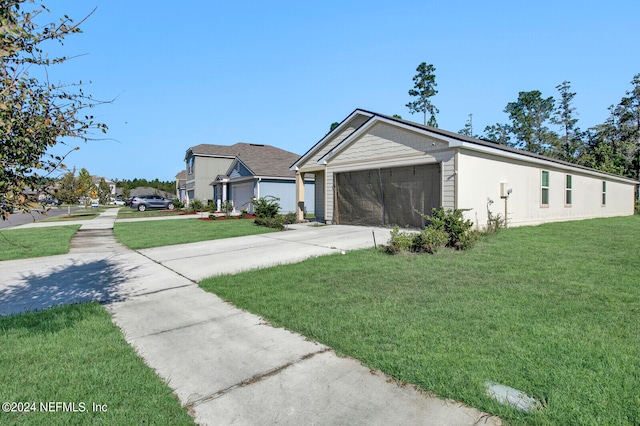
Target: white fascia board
<point x="314" y="149"/>
<point x="544" y="162"/>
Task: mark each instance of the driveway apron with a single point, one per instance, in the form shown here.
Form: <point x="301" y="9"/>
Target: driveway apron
<point x="227" y="366"/>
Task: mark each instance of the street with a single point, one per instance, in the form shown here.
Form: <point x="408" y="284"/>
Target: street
<point x="20" y="218"/>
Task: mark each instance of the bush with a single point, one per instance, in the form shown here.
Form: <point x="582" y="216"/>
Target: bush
<point x="178" y="204"/>
<point x="637" y="207"/>
<point x="243" y="213"/>
<point x="266" y="207"/>
<point x="213" y="217"/>
<point x="429" y="240"/>
<point x="461" y="236"/>
<point x="290" y="218"/>
<point x="226" y="207"/>
<point x="196" y="205"/>
<point x="271" y="222"/>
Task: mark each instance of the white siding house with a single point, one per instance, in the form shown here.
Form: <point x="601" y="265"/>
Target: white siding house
<point x="374" y="169"/>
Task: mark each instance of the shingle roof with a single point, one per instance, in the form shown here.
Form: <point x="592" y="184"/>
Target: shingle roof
<point x="263" y="160"/>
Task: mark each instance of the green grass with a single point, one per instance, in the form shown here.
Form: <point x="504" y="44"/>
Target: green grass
<point x="76" y="354"/>
<point x="76" y="215"/>
<point x="146" y="234"/>
<point x="35" y="242"/>
<point x="129" y="213"/>
<point x="551" y="310"/>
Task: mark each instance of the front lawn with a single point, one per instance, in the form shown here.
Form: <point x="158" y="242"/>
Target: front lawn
<point x="35" y="242"/>
<point x="129" y="213"/>
<point x="146" y="234"/>
<point x="551" y="310"/>
<point x="75" y="354"/>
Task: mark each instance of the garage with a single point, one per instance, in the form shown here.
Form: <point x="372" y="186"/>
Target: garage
<point x="241" y="195"/>
<point x="387" y="196"/>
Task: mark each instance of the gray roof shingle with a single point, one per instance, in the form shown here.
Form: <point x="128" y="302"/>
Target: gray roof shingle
<point x="263" y="160"/>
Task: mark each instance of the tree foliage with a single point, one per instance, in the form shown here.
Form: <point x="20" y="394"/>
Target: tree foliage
<point x="35" y="114"/>
<point x="424" y="88"/>
<point x="613" y="146"/>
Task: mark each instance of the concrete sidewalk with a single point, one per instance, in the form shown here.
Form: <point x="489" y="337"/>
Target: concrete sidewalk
<point x="226" y="365"/>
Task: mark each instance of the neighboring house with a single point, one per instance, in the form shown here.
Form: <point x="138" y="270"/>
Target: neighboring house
<point x="240" y="172"/>
<point x="147" y="190"/>
<point x="181" y="186"/>
<point x="112" y="185"/>
<point x="374" y="169"/>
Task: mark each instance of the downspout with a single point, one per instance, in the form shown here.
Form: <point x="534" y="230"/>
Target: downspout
<point x="257" y="192"/>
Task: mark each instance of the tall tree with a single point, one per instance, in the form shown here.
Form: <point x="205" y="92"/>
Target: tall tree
<point x="104" y="192"/>
<point x="67" y="191"/>
<point x="467" y="130"/>
<point x="528" y="116"/>
<point x="34" y="114"/>
<point x="570" y="143"/>
<point x="424" y="83"/>
<point x="85" y="186"/>
<point x="498" y="133"/>
<point x="629" y="126"/>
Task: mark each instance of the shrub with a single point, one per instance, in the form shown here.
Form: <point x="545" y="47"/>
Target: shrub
<point x="461" y="236"/>
<point x="290" y="218"/>
<point x="196" y="205"/>
<point x="494" y="222"/>
<point x="271" y="222"/>
<point x="266" y="207"/>
<point x="227" y="208"/>
<point x="429" y="240"/>
<point x="213" y="217"/>
<point x="243" y="213"/>
<point x="637" y="207"/>
<point x="178" y="204"/>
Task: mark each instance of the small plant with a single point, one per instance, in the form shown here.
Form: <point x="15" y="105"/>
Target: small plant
<point x="213" y="217"/>
<point x="290" y="218"/>
<point x="494" y="222"/>
<point x="461" y="236"/>
<point x="178" y="204"/>
<point x="266" y="207"/>
<point x="637" y="209"/>
<point x="196" y="205"/>
<point x="243" y="213"/>
<point x="429" y="240"/>
<point x="227" y="208"/>
<point x="271" y="222"/>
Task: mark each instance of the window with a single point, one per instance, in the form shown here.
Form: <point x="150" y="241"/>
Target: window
<point x="190" y="164"/>
<point x="568" y="186"/>
<point x="604" y="193"/>
<point x="545" y="188"/>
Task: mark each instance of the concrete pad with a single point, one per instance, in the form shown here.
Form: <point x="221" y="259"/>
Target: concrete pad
<point x="202" y="346"/>
<point x="327" y="390"/>
<point x="232" y="255"/>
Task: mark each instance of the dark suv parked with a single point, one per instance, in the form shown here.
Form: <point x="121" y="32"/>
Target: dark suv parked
<point x="144" y="202"/>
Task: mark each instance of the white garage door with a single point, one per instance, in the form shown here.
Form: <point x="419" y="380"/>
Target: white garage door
<point x="241" y="195"/>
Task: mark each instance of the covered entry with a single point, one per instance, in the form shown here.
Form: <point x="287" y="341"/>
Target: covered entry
<point x="387" y="196"/>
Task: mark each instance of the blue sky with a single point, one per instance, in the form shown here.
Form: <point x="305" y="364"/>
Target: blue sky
<point x="280" y="73"/>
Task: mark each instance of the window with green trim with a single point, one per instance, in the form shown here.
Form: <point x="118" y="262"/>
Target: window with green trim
<point x="545" y="188"/>
<point x="568" y="186"/>
<point x="604" y="193"/>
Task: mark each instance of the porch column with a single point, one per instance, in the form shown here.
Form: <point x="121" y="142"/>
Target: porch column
<point x="224" y="192"/>
<point x="299" y="196"/>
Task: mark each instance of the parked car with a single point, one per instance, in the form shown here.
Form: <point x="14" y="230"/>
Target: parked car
<point x="144" y="202"/>
<point x="50" y="202"/>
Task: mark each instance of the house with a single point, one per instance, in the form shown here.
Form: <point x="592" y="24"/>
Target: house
<point x="181" y="186"/>
<point x="374" y="169"/>
<point x="240" y="172"/>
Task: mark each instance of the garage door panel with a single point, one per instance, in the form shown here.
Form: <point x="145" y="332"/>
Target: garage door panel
<point x="387" y="196"/>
